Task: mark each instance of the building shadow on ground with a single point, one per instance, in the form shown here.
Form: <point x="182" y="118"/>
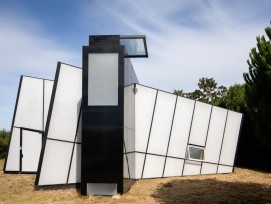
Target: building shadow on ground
<point x="212" y="191"/>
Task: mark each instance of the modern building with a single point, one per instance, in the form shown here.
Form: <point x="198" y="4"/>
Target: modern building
<point x="103" y="130"/>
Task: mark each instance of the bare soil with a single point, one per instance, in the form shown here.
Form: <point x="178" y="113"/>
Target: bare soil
<point x="242" y="186"/>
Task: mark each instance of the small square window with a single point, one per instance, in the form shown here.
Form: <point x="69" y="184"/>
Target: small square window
<point x="195" y="153"/>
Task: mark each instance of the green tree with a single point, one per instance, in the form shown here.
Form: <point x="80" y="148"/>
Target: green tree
<point x="235" y="99"/>
<point x="4" y="138"/>
<point x="207" y="91"/>
<point x="258" y="88"/>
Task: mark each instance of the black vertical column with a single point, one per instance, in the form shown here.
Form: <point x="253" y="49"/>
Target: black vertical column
<point x="102" y="126"/>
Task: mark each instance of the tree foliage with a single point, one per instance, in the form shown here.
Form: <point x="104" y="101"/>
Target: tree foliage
<point x="4" y="138"/>
<point x="258" y="88"/>
<point x="207" y="91"/>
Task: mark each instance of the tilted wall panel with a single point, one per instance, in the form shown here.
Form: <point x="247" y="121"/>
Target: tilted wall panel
<point x="173" y="167"/>
<point x="200" y="124"/>
<point x="129" y="118"/>
<point x="48" y="87"/>
<point x="31" y="147"/>
<point x="224" y="169"/>
<point x="139" y="162"/>
<point x="191" y="168"/>
<point x="181" y="127"/>
<point x="55" y="163"/>
<point x="161" y="125"/>
<point x="67" y="103"/>
<point x="208" y="168"/>
<point x="230" y="139"/>
<point x="153" y="166"/>
<point x="30" y="105"/>
<point x="215" y="134"/>
<point x="13" y="158"/>
<point x="62" y="132"/>
<point x="144" y="105"/>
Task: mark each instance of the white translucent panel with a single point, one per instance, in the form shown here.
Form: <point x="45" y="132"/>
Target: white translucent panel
<point x="67" y="103"/>
<point x="132" y="166"/>
<point x="129" y="118"/>
<point x="129" y="139"/>
<point x="31" y="147"/>
<point x="129" y="73"/>
<point x="215" y="134"/>
<point x="101" y="188"/>
<point x="154" y="166"/>
<point x="174" y="167"/>
<point x="103" y="79"/>
<point x="162" y="121"/>
<point x="129" y="107"/>
<point x="30" y="104"/>
<point x="230" y="138"/>
<point x="75" y="171"/>
<point x="13" y="158"/>
<point x="191" y="168"/>
<point x="125" y="167"/>
<point x="144" y="105"/>
<point x="48" y="87"/>
<point x="55" y="163"/>
<point x="139" y="162"/>
<point x="200" y="124"/>
<point x="79" y="130"/>
<point x="208" y="168"/>
<point x="181" y="127"/>
<point x="224" y="169"/>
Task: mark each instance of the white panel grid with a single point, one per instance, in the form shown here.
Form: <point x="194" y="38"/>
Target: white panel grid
<point x="215" y="134"/>
<point x="67" y="104"/>
<point x="13" y="158"/>
<point x="139" y="162"/>
<point x="224" y="169"/>
<point x="48" y="87"/>
<point x="129" y="118"/>
<point x="200" y="124"/>
<point x="31" y="147"/>
<point x="55" y="163"/>
<point x="173" y="167"/>
<point x="153" y="167"/>
<point x="144" y="105"/>
<point x="208" y="168"/>
<point x="75" y="168"/>
<point x="229" y="143"/>
<point x="190" y="168"/>
<point x="162" y="122"/>
<point x="181" y="127"/>
<point x="29" y="111"/>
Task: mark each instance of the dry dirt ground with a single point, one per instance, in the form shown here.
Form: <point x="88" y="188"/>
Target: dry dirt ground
<point x="243" y="186"/>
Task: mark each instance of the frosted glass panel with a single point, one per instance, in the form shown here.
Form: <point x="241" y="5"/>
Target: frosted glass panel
<point x="153" y="166"/>
<point x="224" y="169"/>
<point x="191" y="169"/>
<point x="48" y="87"/>
<point x="101" y="188"/>
<point x="55" y="164"/>
<point x="67" y="103"/>
<point x="200" y="124"/>
<point x="230" y="138"/>
<point x="208" y="168"/>
<point x="215" y="134"/>
<point x="161" y="124"/>
<point x="173" y="167"/>
<point x="31" y="147"/>
<point x="13" y="159"/>
<point x="30" y="104"/>
<point x="75" y="171"/>
<point x="144" y="105"/>
<point x="103" y="79"/>
<point x="139" y="160"/>
<point x="181" y="127"/>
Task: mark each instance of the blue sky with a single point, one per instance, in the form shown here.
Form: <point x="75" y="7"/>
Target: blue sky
<point x="186" y="39"/>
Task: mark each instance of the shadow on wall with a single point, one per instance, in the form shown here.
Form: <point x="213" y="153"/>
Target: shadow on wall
<point x="211" y="191"/>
